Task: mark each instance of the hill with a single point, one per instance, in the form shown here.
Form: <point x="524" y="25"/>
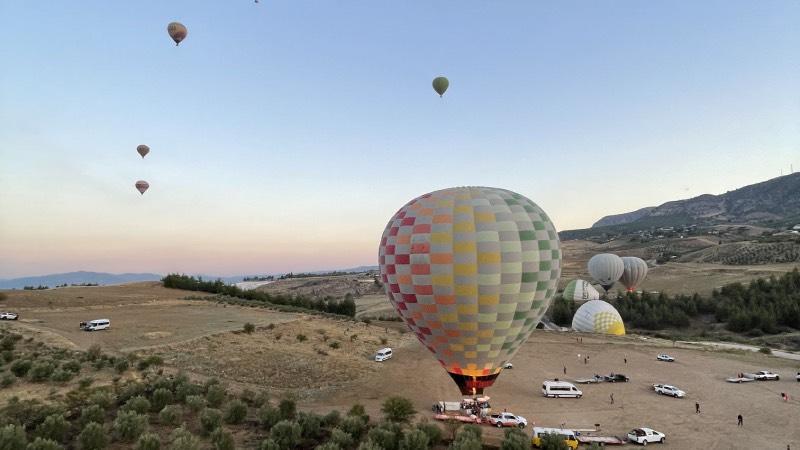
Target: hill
<point x="77" y="278"/>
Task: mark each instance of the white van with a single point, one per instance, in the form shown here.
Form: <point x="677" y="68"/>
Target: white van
<point x="96" y="325"/>
<point x="558" y="389"/>
<point x="383" y="354"/>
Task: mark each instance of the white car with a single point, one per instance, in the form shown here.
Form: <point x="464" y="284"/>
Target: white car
<point x="797" y="377"/>
<point x="383" y="354"/>
<point x="645" y="435"/>
<point x="665" y="357"/>
<point x="507" y="420"/>
<point x="765" y="375"/>
<point x="8" y="316"/>
<point x="666" y="389"/>
<point x="508" y="365"/>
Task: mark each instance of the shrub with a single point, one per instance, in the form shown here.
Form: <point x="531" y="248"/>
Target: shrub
<point x="515" y="439"/>
<point x="268" y="417"/>
<point x="301" y="338"/>
<point x="328" y="446"/>
<point x="170" y="415"/>
<point x="41" y="371"/>
<point x="7" y="356"/>
<point x="286" y="434"/>
<point x="552" y="441"/>
<point x="765" y="350"/>
<point x="433" y="432"/>
<point x="236" y="412"/>
<point x="44" y="444"/>
<point x="121" y="366"/>
<point x="21" y="367"/>
<point x="184" y="389"/>
<point x="148" y="441"/>
<point x="85" y="382"/>
<point x="7" y="344"/>
<point x="215" y="395"/>
<point x="54" y="427"/>
<point x="71" y="366"/>
<point x="222" y="440"/>
<point x="473" y="429"/>
<point x="129" y="425"/>
<point x="93" y="437"/>
<point x="152" y="360"/>
<point x="332" y="418"/>
<point x="415" y="440"/>
<point x="386" y="439"/>
<point x="210" y="420"/>
<point x="7" y="380"/>
<point x="369" y="445"/>
<point x="12" y="437"/>
<point x="334" y="345"/>
<point x="138" y="404"/>
<point x="468" y="443"/>
<point x="249" y="328"/>
<point x="287" y="408"/>
<point x="92" y="413"/>
<point x="384" y="341"/>
<point x="398" y="409"/>
<point x="268" y="444"/>
<point x="161" y="398"/>
<point x="259" y="400"/>
<point x="310" y="425"/>
<point x="94" y="353"/>
<point x="354" y="426"/>
<point x="184" y="440"/>
<point x="341" y="438"/>
<point x="195" y="403"/>
<point x="61" y="375"/>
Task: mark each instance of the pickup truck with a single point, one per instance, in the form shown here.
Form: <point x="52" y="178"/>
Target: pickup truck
<point x="766" y="375"/>
<point x="645" y="435"/>
<point x="8" y="316"/>
<point x="665" y="357"/>
<point x="507" y="420"/>
<point x="666" y="389"/>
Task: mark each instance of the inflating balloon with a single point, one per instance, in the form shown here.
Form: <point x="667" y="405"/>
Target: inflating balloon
<point x="580" y="291"/>
<point x="142" y="186"/>
<point x="177" y="31"/>
<point x="471" y="270"/>
<point x="634" y="272"/>
<point x="143" y="150"/>
<point x="440" y="85"/>
<point x="597" y="316"/>
<point x="606" y="268"/>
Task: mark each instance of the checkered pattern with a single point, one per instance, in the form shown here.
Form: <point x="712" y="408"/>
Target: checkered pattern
<point x="580" y="291"/>
<point x="597" y="316"/>
<point x="471" y="271"/>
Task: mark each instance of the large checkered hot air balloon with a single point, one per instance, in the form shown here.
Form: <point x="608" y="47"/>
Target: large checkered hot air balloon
<point x="471" y="270"/>
<point x="597" y="316"/>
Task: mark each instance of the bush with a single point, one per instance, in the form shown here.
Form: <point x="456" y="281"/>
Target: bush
<point x="71" y="366"/>
<point x="433" y="432"/>
<point x="415" y="440"/>
<point x="268" y="417"/>
<point x="334" y="345"/>
<point x="7" y="380"/>
<point x="268" y="444"/>
<point x="21" y="367"/>
<point x="286" y="434"/>
<point x="138" y="404"/>
<point x="184" y="389"/>
<point x="7" y="356"/>
<point x="332" y="418"/>
<point x="249" y="328"/>
<point x="301" y="338"/>
<point x="94" y="353"/>
<point x="195" y="403"/>
<point x="310" y="425"/>
<point x="103" y="399"/>
<point x="369" y="445"/>
<point x="473" y="429"/>
<point x="92" y="413"/>
<point x="62" y="376"/>
<point x="152" y="360"/>
<point x="93" y="437"/>
<point x="515" y="439"/>
<point x="210" y="420"/>
<point x="552" y="441"/>
<point x="398" y="409"/>
<point x="354" y="426"/>
<point x="383" y="438"/>
<point x="287" y="408"/>
<point x="236" y="412"/>
<point x="222" y="440"/>
<point x="129" y="425"/>
<point x="12" y="437"/>
<point x="341" y="438"/>
<point x="55" y="427"/>
<point x="765" y="350"/>
<point x="121" y="366"/>
<point x="161" y="398"/>
<point x="41" y="371"/>
<point x="148" y="441"/>
<point x="215" y="395"/>
<point x="170" y="415"/>
<point x="468" y="442"/>
<point x="328" y="446"/>
<point x="85" y="382"/>
<point x="44" y="444"/>
<point x="184" y="440"/>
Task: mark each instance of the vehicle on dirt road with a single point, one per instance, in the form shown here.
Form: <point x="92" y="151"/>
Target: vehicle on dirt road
<point x="666" y="389"/>
<point x="615" y="377"/>
<point x="557" y="389"/>
<point x="505" y="419"/>
<point x="95" y="325"/>
<point x="646" y="435"/>
<point x="570" y="438"/>
<point x="383" y="354"/>
<point x="8" y="316"/>
<point x="766" y="375"/>
<point x="508" y="365"/>
<point x="665" y="357"/>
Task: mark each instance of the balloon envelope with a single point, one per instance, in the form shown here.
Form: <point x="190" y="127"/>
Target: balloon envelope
<point x="634" y="272"/>
<point x="580" y="290"/>
<point x="142" y="186"/>
<point x="177" y="31"/>
<point x="606" y="268"/>
<point x="597" y="316"/>
<point x="470" y="270"/>
<point x="143" y="150"/>
<point x="440" y="85"/>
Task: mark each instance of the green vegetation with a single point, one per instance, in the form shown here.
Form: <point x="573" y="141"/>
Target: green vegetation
<point x="249" y="328"/>
<point x="398" y="409"/>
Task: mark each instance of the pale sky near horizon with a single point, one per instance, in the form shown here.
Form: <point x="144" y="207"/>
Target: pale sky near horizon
<point x="285" y="134"/>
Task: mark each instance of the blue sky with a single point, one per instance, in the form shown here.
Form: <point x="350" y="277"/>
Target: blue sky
<point x="285" y="134"/>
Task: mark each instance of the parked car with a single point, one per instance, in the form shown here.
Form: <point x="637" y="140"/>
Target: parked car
<point x="508" y="365"/>
<point x="665" y="357"/>
<point x="666" y="389"/>
<point x="557" y="389"/>
<point x="8" y="316"/>
<point x="797" y="377"/>
<point x="507" y="420"/>
<point x="570" y="438"/>
<point x="614" y="377"/>
<point x="645" y="435"/>
<point x="383" y="354"/>
<point x="95" y="325"/>
<point x="766" y="375"/>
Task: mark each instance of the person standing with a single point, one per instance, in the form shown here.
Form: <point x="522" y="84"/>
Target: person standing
<point x="565" y="370"/>
<point x="612" y="398"/>
<point x="741" y="420"/>
<point x="696" y="407"/>
<point x="626" y="360"/>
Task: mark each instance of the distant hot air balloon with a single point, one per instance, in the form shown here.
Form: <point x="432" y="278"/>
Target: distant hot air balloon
<point x="143" y="150"/>
<point x="440" y="85"/>
<point x="471" y="270"/>
<point x="606" y="268"/>
<point x="634" y="273"/>
<point x="142" y="186"/>
<point x="580" y="291"/>
<point x="177" y="31"/>
<point x="597" y="316"/>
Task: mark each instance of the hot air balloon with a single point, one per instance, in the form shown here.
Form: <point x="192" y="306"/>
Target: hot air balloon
<point x="177" y="31"/>
<point x="142" y="186"/>
<point x="470" y="270"/>
<point x="597" y="316"/>
<point x="143" y="150"/>
<point x="579" y="291"/>
<point x="440" y="85"/>
<point x="634" y="273"/>
<point x="606" y="268"/>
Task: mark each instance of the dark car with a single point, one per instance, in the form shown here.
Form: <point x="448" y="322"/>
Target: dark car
<point x="614" y="377"/>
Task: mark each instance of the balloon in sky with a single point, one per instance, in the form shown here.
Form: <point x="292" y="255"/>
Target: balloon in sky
<point x="597" y="316"/>
<point x="606" y="268"/>
<point x="634" y="272"/>
<point x="177" y="31"/>
<point x="471" y="270"/>
<point x="143" y="150"/>
<point x="440" y="85"/>
<point x="580" y="290"/>
<point x="142" y="186"/>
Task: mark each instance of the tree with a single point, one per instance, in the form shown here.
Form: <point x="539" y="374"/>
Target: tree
<point x="552" y="441"/>
<point x="44" y="444"/>
<point x="54" y="427"/>
<point x="236" y="412"/>
<point x="138" y="404"/>
<point x="129" y="425"/>
<point x="222" y="440"/>
<point x="161" y="398"/>
<point x="268" y="417"/>
<point x="515" y="439"/>
<point x="398" y="409"/>
<point x="12" y="437"/>
<point x="215" y="395"/>
<point x="210" y="420"/>
<point x="286" y="434"/>
<point x="415" y="440"/>
<point x="287" y="408"/>
<point x="183" y="439"/>
<point x="93" y="437"/>
<point x="148" y="441"/>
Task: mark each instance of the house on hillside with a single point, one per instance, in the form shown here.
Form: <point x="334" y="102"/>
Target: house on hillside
<point x="796" y="227"/>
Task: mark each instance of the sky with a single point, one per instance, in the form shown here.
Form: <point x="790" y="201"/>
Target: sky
<point x="285" y="134"/>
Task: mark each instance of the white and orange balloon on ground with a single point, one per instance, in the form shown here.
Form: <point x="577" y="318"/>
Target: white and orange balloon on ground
<point x="471" y="271"/>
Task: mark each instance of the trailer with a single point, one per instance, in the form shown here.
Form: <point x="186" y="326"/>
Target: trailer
<point x="602" y="440"/>
<point x="468" y="410"/>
